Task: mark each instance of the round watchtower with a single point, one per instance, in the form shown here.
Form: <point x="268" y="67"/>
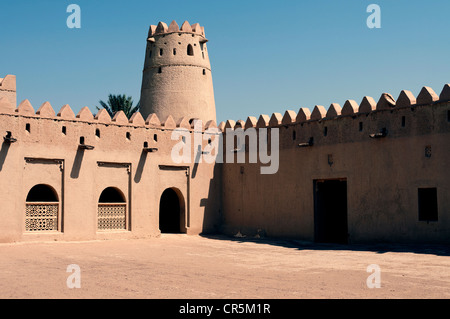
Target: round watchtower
<point x="177" y="77"/>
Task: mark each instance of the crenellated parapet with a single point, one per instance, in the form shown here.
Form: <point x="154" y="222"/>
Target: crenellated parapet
<point x="66" y="114"/>
<point x="163" y="29"/>
<point x="8" y="98"/>
<point x="385" y="105"/>
<point x="375" y="118"/>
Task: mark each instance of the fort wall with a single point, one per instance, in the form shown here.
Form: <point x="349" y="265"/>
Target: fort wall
<point x="79" y="156"/>
<point x="385" y="152"/>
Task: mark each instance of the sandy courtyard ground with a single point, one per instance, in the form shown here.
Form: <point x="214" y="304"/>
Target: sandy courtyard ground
<point x="195" y="267"/>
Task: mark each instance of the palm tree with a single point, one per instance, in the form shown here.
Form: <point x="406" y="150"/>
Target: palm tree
<point x="116" y="103"/>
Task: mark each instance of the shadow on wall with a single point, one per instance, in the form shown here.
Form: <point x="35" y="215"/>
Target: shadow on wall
<point x="212" y="220"/>
<point x="77" y="163"/>
<point x="3" y="153"/>
<point x="140" y="166"/>
<point x="381" y="248"/>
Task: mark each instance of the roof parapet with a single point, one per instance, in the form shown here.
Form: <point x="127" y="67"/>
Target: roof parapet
<point x="334" y="111"/>
<point x="263" y="121"/>
<point x="445" y="94"/>
<point x="162" y="28"/>
<point x="318" y="113"/>
<point x="350" y="107"/>
<point x="367" y="105"/>
<point x="406" y="98"/>
<point x="103" y="116"/>
<point x="385" y="102"/>
<point x="304" y="114"/>
<point x="427" y="96"/>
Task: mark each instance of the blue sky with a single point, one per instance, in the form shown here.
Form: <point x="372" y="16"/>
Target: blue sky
<point x="266" y="56"/>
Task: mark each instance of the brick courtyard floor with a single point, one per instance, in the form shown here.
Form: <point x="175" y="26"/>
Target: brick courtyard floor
<point x="196" y="267"/>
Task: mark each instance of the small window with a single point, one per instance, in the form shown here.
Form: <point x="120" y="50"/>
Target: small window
<point x="155" y="137"/>
<point x="403" y="121"/>
<point x="294" y="135"/>
<point x="145" y="144"/>
<point x="204" y="72"/>
<point x="361" y="126"/>
<point x="97" y="133"/>
<point x="428" y="151"/>
<point x="64" y="130"/>
<point x="28" y="127"/>
<point x="159" y="70"/>
<point x="128" y="135"/>
<point x="209" y="141"/>
<point x="190" y="50"/>
<point x="82" y="140"/>
<point x="448" y="115"/>
<point x="150" y="54"/>
<point x="428" y="205"/>
<point x="161" y="52"/>
<point x="325" y="131"/>
<point x="183" y="138"/>
<point x="203" y="55"/>
<point x="174" y="51"/>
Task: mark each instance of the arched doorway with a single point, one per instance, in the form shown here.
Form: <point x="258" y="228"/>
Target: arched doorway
<point x="42" y="209"/>
<point x="171" y="212"/>
<point x="112" y="210"/>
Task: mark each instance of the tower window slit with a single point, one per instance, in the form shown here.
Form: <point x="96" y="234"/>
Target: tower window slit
<point x="190" y="50"/>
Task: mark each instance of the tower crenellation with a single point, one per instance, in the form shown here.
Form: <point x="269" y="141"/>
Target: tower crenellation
<point x="8" y="99"/>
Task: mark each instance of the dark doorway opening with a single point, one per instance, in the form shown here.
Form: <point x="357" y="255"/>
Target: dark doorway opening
<point x="330" y="211"/>
<point x="428" y="204"/>
<point x="171" y="212"/>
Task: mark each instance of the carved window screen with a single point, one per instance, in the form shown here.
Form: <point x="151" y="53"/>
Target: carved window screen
<point x="41" y="217"/>
<point x="112" y="216"/>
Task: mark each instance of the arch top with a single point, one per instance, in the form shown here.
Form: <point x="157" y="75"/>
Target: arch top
<point x="112" y="195"/>
<point x="42" y="193"/>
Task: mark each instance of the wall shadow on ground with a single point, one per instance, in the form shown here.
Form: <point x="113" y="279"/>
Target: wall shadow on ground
<point x="381" y="248"/>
